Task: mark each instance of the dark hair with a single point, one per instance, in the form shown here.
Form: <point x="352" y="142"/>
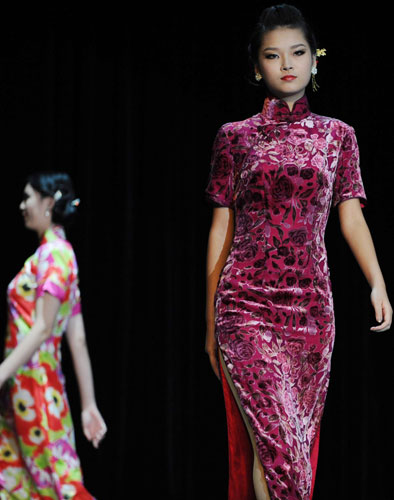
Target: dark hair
<point x="277" y="16"/>
<point x="48" y="184"/>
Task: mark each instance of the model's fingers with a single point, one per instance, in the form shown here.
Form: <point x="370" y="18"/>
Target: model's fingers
<point x="386" y="318"/>
<point x="87" y="433"/>
<point x="384" y="326"/>
<point x="378" y="313"/>
<point x="378" y="307"/>
<point x="101" y="433"/>
<point x="99" y="436"/>
<point x="386" y="314"/>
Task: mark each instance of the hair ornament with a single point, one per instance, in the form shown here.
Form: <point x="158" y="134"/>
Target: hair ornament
<point x="57" y="195"/>
<point x="320" y="52"/>
<point x="76" y="202"/>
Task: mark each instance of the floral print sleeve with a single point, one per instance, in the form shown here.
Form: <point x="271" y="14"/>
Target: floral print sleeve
<point x="220" y="190"/>
<point x="52" y="273"/>
<point x="57" y="275"/>
<point x="348" y="182"/>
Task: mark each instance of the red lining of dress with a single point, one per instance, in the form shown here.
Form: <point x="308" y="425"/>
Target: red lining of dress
<point x="240" y="451"/>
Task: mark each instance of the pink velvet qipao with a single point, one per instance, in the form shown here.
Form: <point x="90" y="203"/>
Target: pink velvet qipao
<point x="280" y="172"/>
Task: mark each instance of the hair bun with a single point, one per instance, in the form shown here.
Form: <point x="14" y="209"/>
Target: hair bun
<point x="59" y="186"/>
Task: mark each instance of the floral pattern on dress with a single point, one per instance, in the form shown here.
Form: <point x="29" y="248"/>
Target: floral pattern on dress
<point x="38" y="459"/>
<point x="280" y="172"/>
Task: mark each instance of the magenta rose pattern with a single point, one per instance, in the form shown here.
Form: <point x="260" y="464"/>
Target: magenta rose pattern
<point x="280" y="172"/>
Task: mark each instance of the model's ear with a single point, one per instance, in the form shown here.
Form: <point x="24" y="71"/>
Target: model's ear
<point x="49" y="202"/>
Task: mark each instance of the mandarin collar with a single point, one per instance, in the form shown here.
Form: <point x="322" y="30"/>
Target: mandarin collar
<point x="53" y="232"/>
<point x="278" y="110"/>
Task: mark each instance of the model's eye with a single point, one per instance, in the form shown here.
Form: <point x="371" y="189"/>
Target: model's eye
<point x="299" y="52"/>
<point x="270" y="56"/>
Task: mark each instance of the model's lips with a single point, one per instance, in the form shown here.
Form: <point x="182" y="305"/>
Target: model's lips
<point x="288" y="78"/>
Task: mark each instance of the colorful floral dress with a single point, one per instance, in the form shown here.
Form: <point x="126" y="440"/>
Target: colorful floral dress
<point x="280" y="172"/>
<point x="38" y="459"/>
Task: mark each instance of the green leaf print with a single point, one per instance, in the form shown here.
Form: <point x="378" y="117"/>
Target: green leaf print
<point x="48" y="493"/>
<point x="60" y="467"/>
<point x="42" y="460"/>
<point x="26" y="449"/>
<point x="55" y="435"/>
<point x="37" y="375"/>
<point x="46" y="357"/>
<point x="75" y="475"/>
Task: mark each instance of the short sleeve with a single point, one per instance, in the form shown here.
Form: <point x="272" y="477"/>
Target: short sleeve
<point x="52" y="272"/>
<point x="220" y="189"/>
<point x="348" y="182"/>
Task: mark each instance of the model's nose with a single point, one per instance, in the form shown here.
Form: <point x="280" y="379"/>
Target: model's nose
<point x="287" y="67"/>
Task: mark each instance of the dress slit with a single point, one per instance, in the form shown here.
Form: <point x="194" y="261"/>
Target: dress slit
<point x="240" y="450"/>
<point x="314" y="457"/>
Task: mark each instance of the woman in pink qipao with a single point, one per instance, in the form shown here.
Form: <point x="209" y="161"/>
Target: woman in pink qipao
<point x="38" y="459"/>
<point x="270" y="318"/>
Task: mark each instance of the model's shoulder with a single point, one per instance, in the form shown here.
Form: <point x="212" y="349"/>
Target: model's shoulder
<point x="332" y="123"/>
<point x="241" y="128"/>
<point x="58" y="248"/>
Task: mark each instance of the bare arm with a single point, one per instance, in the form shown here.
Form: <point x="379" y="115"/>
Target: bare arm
<point x="46" y="311"/>
<point x="219" y="244"/>
<point x="92" y="422"/>
<point x="356" y="232"/>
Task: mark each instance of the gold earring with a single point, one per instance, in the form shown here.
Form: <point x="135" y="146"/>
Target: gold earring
<point x="258" y="77"/>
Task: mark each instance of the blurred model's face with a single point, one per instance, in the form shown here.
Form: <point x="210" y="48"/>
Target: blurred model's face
<point x="285" y="62"/>
<point x="36" y="210"/>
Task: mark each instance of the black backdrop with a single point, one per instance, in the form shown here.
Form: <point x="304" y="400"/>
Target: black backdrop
<point x="128" y="102"/>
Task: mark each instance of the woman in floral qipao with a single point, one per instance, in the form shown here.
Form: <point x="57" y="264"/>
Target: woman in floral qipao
<point x="38" y="459"/>
<point x="270" y="318"/>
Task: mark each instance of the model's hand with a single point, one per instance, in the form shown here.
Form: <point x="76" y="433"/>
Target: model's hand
<point x="93" y="425"/>
<point x="383" y="309"/>
<point x="211" y="349"/>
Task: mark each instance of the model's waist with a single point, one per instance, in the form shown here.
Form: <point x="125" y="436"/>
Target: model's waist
<point x="293" y="254"/>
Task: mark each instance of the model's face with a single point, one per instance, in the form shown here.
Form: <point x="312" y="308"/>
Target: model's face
<point x="285" y="63"/>
<point x="35" y="209"/>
